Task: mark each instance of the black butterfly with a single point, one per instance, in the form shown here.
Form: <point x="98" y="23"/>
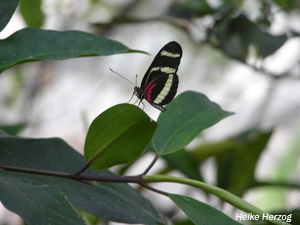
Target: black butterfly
<point x="160" y="82"/>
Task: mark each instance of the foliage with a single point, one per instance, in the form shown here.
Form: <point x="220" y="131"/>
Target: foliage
<point x="46" y="181"/>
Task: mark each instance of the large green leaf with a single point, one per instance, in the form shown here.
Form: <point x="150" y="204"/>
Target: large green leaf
<point x="201" y="213"/>
<point x="32" y="12"/>
<point x="109" y="201"/>
<point x="187" y="115"/>
<point x="7" y="9"/>
<point x="36" y="204"/>
<point x="31" y="44"/>
<point x="118" y="135"/>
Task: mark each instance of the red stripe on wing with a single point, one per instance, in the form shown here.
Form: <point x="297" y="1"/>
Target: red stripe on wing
<point x="148" y="90"/>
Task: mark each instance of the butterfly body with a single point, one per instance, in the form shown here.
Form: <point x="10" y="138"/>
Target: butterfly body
<point x="160" y="82"/>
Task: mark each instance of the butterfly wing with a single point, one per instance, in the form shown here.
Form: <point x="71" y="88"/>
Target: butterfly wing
<point x="160" y="82"/>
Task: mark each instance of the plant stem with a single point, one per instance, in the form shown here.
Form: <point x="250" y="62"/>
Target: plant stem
<point x="223" y="194"/>
<point x="151" y="164"/>
<point x="154" y="189"/>
<point x="87" y="177"/>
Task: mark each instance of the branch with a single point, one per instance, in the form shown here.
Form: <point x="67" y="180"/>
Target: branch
<point x="87" y="177"/>
<point x="84" y="178"/>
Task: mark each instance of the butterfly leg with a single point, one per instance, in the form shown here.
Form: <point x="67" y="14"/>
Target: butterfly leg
<point x="130" y="98"/>
<point x="136" y="102"/>
<point x="142" y="103"/>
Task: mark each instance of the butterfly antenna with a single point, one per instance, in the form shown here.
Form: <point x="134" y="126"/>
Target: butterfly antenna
<point x="136" y="79"/>
<point x="122" y="77"/>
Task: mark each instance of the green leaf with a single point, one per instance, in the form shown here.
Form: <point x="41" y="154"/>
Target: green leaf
<point x="89" y="218"/>
<point x="31" y="44"/>
<point x="228" y="6"/>
<point x="268" y="44"/>
<point x="32" y="13"/>
<point x="236" y="167"/>
<point x="187" y="115"/>
<point x="118" y="135"/>
<point x="286" y="5"/>
<point x="189" y="9"/>
<point x="183" y="222"/>
<point x="292" y="215"/>
<point x="36" y="204"/>
<point x="203" y="152"/>
<point x="188" y="165"/>
<point x="12" y="129"/>
<point x="201" y="213"/>
<point x="237" y="34"/>
<point x="7" y="9"/>
<point x="200" y="7"/>
<point x="109" y="201"/>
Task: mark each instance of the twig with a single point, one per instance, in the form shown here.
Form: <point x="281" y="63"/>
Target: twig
<point x="151" y="165"/>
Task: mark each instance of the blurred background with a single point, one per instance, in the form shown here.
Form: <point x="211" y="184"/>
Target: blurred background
<point x="243" y="54"/>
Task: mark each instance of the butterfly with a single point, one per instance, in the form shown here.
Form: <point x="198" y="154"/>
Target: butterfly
<point x="160" y="82"/>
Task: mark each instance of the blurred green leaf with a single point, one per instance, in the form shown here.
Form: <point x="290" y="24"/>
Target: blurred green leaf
<point x="205" y="151"/>
<point x="229" y="6"/>
<point x="282" y="177"/>
<point x="268" y="44"/>
<point x="118" y="135"/>
<point x="36" y="204"/>
<point x="187" y="115"/>
<point x="89" y="218"/>
<point x="31" y="44"/>
<point x="184" y="162"/>
<point x="237" y="34"/>
<point x="189" y="9"/>
<point x="236" y="167"/>
<point x="286" y="5"/>
<point x="201" y="213"/>
<point x="183" y="222"/>
<point x="293" y="216"/>
<point x="286" y="168"/>
<point x="12" y="129"/>
<point x="109" y="201"/>
<point x="32" y="13"/>
<point x="7" y="9"/>
<point x="200" y="7"/>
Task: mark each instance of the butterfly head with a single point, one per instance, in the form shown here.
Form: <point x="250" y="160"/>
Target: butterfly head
<point x="137" y="92"/>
